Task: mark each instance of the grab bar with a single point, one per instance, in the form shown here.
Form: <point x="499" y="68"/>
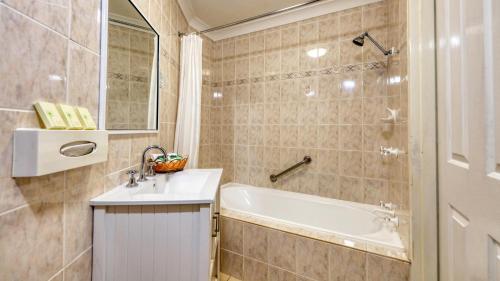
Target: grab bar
<point x="306" y="160"/>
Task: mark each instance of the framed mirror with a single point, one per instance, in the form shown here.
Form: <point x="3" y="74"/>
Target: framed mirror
<point x="129" y="94"/>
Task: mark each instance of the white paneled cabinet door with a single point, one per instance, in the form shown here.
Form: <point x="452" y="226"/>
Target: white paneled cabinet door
<point x="468" y="60"/>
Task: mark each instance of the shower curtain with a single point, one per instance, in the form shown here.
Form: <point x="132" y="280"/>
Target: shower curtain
<point x="187" y="131"/>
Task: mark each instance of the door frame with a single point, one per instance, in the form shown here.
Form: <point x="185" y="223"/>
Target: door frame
<point x="423" y="140"/>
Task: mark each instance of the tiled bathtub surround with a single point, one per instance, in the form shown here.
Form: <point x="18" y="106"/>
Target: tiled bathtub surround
<point x="50" y="52"/>
<point x="251" y="252"/>
<point x="273" y="101"/>
<point x="363" y="245"/>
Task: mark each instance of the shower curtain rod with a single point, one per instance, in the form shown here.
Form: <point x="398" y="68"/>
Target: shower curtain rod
<point x="254" y="17"/>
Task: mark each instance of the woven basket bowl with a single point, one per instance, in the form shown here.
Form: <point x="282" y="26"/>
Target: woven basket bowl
<point x="171" y="166"/>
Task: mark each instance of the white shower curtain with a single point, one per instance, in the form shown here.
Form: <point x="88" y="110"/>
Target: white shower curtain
<point x="187" y="131"/>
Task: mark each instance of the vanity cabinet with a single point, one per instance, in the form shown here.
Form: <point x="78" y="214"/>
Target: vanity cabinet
<point x="169" y="242"/>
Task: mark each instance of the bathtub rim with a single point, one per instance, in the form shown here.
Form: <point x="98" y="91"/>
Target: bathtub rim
<point x="363" y="244"/>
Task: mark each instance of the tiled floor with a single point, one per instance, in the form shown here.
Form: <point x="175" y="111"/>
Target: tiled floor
<point x="225" y="277"/>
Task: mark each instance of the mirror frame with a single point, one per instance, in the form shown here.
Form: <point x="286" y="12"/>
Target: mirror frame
<point x="104" y="70"/>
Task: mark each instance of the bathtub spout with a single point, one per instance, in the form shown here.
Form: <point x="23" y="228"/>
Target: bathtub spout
<point x="391" y="213"/>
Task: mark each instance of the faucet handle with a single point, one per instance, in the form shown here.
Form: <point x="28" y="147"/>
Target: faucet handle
<point x="392" y="220"/>
<point x="388" y="206"/>
<point x="151" y="172"/>
<point x="132" y="181"/>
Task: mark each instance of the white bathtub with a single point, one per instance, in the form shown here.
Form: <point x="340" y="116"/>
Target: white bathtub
<point x="348" y="223"/>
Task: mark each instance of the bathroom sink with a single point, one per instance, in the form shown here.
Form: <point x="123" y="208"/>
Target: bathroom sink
<point x="193" y="186"/>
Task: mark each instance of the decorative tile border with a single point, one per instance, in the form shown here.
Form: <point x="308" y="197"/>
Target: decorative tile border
<point x="306" y="74"/>
<point x="126" y="77"/>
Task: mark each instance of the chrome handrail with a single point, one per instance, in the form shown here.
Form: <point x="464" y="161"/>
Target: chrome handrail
<point x="306" y="160"/>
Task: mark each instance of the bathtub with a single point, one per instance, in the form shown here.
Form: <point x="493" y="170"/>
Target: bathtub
<point x="341" y="222"/>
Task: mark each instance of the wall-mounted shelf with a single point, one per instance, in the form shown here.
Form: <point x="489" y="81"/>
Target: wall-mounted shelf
<point x="39" y="152"/>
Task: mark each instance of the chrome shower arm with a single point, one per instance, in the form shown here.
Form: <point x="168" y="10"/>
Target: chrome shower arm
<point x="386" y="52"/>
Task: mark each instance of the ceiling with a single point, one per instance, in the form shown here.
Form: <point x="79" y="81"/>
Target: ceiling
<point x="204" y="14"/>
<point x="218" y="12"/>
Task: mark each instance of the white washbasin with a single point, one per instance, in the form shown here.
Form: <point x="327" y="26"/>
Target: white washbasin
<point x="193" y="186"/>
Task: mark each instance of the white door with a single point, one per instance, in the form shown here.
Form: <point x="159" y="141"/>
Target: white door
<point x="468" y="43"/>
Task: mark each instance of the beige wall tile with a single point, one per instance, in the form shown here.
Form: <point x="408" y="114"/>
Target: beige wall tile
<point x="351" y="189"/>
<point x="273" y="62"/>
<point x="328" y="136"/>
<point x="256" y="114"/>
<point x="228" y="70"/>
<point x="271" y="157"/>
<point x="376" y="190"/>
<point x="85" y="27"/>
<point x="282" y="250"/>
<point x="58" y="277"/>
<point x="155" y="15"/>
<point x="290" y="90"/>
<point x="38" y="255"/>
<point x="374" y="83"/>
<point x="52" y="13"/>
<point x="241" y="113"/>
<point x="10" y="121"/>
<point x="26" y="44"/>
<point x="351" y="163"/>
<point x="242" y="47"/>
<point x="242" y="93"/>
<point x="232" y="264"/>
<point x="256" y="135"/>
<point x="242" y="68"/>
<point x="385" y="269"/>
<point x="328" y="87"/>
<point x="228" y="48"/>
<point x="289" y="60"/>
<point x="277" y="274"/>
<point x="232" y="235"/>
<point x="241" y="174"/>
<point x="81" y="185"/>
<point x="257" y="43"/>
<point x="350" y="111"/>
<point x="257" y="66"/>
<point x="118" y="153"/>
<point x="257" y="92"/>
<point x="81" y="269"/>
<point x="347" y="264"/>
<point x="307" y="63"/>
<point x="272" y="40"/>
<point x="332" y="56"/>
<point x="351" y="137"/>
<point x="255" y="242"/>
<point x="328" y="27"/>
<point x="328" y="185"/>
<point x="312" y="259"/>
<point x="350" y="23"/>
<point x="254" y="270"/>
<point x="83" y="78"/>
<point x="288" y="135"/>
<point x="143" y="6"/>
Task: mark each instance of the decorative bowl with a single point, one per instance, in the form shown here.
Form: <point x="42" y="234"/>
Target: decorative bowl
<point x="171" y="166"/>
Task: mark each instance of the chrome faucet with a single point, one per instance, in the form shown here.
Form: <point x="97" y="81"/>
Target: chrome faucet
<point x="132" y="181"/>
<point x="142" y="176"/>
<point x="389" y="212"/>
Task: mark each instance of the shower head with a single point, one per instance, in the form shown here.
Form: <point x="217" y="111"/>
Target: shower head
<point x="360" y="41"/>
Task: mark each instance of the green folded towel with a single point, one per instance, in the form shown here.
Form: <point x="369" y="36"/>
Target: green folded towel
<point x="173" y="156"/>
